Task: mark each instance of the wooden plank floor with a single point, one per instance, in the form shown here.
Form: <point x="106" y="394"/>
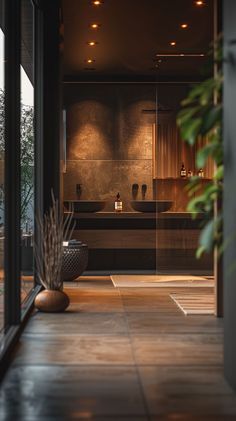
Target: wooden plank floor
<point x="118" y="355"/>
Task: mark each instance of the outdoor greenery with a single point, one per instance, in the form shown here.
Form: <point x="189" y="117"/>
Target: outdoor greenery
<point x="27" y="157"/>
<point x="201" y="117"/>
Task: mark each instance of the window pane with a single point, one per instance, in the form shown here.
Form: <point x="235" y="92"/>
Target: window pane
<point x="27" y="148"/>
<point x="2" y="153"/>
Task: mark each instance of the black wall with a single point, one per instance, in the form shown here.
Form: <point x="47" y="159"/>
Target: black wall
<point x="229" y="196"/>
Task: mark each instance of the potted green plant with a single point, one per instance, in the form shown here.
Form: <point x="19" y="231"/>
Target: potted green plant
<point x="201" y="116"/>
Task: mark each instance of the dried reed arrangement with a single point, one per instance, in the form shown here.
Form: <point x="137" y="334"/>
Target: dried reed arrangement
<point x="49" y="250"/>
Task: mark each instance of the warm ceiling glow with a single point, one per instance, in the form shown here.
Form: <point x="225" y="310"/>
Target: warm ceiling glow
<point x="199" y="3"/>
<point x="92" y="43"/>
<point x="97" y="2"/>
<point x="173" y="43"/>
<point x="184" y="25"/>
<point x="90" y="60"/>
<point x="95" y="25"/>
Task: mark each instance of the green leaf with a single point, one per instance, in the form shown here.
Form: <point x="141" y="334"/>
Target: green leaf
<point x="200" y="251"/>
<point x="219" y="174"/>
<point x="207" y="236"/>
<point x="186" y="115"/>
<point x="207" y="91"/>
<point x="212" y="118"/>
<point x="204" y="153"/>
<point x="193" y="185"/>
<point x="191" y="130"/>
<point x="196" y="204"/>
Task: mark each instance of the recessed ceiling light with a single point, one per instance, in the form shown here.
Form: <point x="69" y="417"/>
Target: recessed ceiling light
<point x="89" y="61"/>
<point x="184" y="25"/>
<point x="199" y="3"/>
<point x="95" y="25"/>
<point x="92" y="43"/>
<point x="97" y="2"/>
<point x="173" y="43"/>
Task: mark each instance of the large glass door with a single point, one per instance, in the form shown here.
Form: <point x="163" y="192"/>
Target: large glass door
<point x="27" y="143"/>
<point x="2" y="156"/>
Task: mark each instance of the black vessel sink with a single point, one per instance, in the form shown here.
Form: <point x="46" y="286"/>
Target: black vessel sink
<point x="85" y="205"/>
<point x="151" y="205"/>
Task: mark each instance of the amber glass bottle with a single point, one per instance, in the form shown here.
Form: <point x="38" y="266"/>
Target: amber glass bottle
<point x="118" y="203"/>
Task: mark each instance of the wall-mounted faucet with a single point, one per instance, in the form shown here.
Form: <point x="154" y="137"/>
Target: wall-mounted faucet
<point x="78" y="190"/>
<point x="135" y="188"/>
<point x="144" y="191"/>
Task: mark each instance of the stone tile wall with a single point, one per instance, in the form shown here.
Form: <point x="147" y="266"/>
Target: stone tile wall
<point x="109" y="141"/>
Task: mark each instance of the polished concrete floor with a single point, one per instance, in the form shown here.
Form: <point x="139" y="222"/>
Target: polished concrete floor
<point x="27" y="283"/>
<point x="118" y="355"/>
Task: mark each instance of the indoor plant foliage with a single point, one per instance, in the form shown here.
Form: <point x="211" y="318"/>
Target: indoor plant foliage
<point x="49" y="257"/>
<point x="200" y="117"/>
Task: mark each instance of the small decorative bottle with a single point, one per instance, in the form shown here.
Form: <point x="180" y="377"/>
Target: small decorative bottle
<point x="190" y="173"/>
<point x="183" y="171"/>
<point x="118" y="203"/>
<point x="200" y="173"/>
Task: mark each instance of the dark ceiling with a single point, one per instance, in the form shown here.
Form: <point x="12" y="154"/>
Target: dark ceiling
<point x="27" y="38"/>
<point x="132" y="32"/>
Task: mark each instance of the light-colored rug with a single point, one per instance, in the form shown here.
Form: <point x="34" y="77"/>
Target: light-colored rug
<point x="194" y="303"/>
<point x="153" y="281"/>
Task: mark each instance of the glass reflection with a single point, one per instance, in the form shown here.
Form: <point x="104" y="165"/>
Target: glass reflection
<point x="2" y="155"/>
<point x="27" y="149"/>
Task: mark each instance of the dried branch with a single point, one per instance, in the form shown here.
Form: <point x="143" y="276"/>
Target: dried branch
<point x="48" y="250"/>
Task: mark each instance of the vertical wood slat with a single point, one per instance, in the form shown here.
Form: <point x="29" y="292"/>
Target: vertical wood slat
<point x="169" y="151"/>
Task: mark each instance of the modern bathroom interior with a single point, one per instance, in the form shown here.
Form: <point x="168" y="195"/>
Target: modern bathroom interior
<point x="122" y="138"/>
<point x="139" y="330"/>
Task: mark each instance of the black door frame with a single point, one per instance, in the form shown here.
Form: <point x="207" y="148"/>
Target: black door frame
<point x="229" y="204"/>
<point x="47" y="148"/>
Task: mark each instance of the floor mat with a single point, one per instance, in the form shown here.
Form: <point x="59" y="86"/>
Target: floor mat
<point x="195" y="303"/>
<point x="152" y="281"/>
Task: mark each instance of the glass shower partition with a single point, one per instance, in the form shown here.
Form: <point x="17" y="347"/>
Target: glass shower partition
<point x="177" y="231"/>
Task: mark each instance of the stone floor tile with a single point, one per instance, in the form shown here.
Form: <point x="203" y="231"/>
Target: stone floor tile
<point x="178" y="349"/>
<point x="74" y="349"/>
<point x="71" y="393"/>
<point x="187" y="393"/>
<point x="75" y="322"/>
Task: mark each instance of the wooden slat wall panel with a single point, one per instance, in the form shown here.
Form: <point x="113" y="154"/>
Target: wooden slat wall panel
<point x="171" y="151"/>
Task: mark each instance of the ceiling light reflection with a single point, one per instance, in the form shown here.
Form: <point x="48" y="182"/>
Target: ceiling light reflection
<point x="95" y="25"/>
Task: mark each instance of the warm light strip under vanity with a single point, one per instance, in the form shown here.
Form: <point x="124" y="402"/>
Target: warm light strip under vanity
<point x="180" y="55"/>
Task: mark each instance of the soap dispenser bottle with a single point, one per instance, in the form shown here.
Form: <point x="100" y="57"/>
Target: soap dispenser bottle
<point x="183" y="171"/>
<point x="118" y="203"/>
<point x="200" y="173"/>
